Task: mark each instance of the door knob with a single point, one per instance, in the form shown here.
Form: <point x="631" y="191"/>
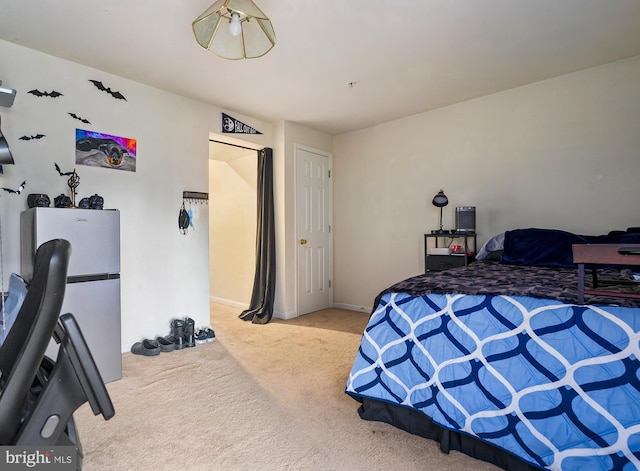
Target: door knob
<point x="303" y="241"/>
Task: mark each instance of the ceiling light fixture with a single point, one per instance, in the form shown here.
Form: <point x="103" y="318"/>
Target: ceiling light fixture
<point x="248" y="34"/>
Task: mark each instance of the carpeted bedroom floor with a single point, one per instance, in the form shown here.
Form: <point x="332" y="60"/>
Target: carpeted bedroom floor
<point x="261" y="397"/>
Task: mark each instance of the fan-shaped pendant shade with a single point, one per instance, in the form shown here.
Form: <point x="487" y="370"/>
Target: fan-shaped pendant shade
<point x="212" y="31"/>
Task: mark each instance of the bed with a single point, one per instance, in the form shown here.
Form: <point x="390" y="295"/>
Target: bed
<point x="497" y="360"/>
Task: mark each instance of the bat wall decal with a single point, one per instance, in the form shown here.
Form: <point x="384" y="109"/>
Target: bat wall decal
<point x="18" y="191"/>
<point x="28" y="138"/>
<point x="61" y="173"/>
<point x="75" y="116"/>
<point x="101" y="87"/>
<point x="51" y="94"/>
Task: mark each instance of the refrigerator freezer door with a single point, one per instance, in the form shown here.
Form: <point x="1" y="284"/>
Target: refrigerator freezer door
<point x="96" y="307"/>
<point x="94" y="236"/>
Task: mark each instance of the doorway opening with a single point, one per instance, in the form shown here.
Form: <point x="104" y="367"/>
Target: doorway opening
<point x="232" y="221"/>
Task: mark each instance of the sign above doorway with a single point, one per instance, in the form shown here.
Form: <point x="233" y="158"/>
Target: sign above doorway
<point x="233" y="126"/>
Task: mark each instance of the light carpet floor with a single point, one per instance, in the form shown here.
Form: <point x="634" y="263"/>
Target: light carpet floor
<point x="261" y="397"/>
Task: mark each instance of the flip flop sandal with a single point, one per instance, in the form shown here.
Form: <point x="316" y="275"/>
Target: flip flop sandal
<point x="147" y="348"/>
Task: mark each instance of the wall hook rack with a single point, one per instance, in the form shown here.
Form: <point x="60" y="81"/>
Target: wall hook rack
<point x="195" y="197"/>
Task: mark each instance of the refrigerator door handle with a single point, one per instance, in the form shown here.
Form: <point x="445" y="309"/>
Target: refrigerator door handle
<point x="100" y="277"/>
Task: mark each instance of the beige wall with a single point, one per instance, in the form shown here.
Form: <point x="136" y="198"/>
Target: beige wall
<point x="562" y="153"/>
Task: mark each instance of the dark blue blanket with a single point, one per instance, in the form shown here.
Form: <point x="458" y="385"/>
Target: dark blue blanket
<point x="552" y="247"/>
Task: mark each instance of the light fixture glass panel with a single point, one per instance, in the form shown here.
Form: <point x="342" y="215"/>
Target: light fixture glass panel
<point x="246" y="8"/>
<point x="256" y="42"/>
<point x="204" y="30"/>
<point x="267" y="29"/>
<point x="226" y="44"/>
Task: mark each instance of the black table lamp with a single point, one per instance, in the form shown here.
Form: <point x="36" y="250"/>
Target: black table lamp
<point x="440" y="201"/>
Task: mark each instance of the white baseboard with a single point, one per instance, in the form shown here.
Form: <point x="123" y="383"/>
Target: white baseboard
<point x="229" y="302"/>
<point x="348" y="307"/>
<point x="285" y="316"/>
<point x="126" y="347"/>
<point x="290" y="315"/>
<point x="352" y="307"/>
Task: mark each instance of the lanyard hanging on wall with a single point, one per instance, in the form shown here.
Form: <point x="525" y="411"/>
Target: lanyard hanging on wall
<point x="186" y="216"/>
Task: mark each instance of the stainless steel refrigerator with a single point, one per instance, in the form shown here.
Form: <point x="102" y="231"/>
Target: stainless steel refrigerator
<point x="92" y="294"/>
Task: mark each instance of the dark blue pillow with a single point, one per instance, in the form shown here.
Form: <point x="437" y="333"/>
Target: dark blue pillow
<point x="540" y="247"/>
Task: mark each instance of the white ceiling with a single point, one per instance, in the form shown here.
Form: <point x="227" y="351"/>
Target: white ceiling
<point x="403" y="56"/>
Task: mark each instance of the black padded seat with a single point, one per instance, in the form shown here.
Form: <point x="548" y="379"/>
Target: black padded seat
<point x="37" y="395"/>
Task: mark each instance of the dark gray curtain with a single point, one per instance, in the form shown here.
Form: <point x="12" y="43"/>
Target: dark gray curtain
<point x="264" y="283"/>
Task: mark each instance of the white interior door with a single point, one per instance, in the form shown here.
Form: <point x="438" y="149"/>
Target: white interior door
<point x="313" y="221"/>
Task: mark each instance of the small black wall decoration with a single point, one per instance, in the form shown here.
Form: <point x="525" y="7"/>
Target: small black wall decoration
<point x="18" y="191"/>
<point x="29" y="138"/>
<point x="99" y="85"/>
<point x="51" y="94"/>
<point x="75" y="116"/>
<point x="61" y="173"/>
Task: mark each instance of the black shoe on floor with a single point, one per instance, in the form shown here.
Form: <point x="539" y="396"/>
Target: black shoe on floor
<point x="200" y="336"/>
<point x="166" y="344"/>
<point x="189" y="332"/>
<point x="210" y="334"/>
<point x="147" y="348"/>
<point x="177" y="332"/>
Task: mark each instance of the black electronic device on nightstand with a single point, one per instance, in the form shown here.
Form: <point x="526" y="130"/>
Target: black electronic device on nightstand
<point x="465" y="219"/>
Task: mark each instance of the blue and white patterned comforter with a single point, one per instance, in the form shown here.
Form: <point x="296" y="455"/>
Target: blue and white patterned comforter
<point x="553" y="383"/>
